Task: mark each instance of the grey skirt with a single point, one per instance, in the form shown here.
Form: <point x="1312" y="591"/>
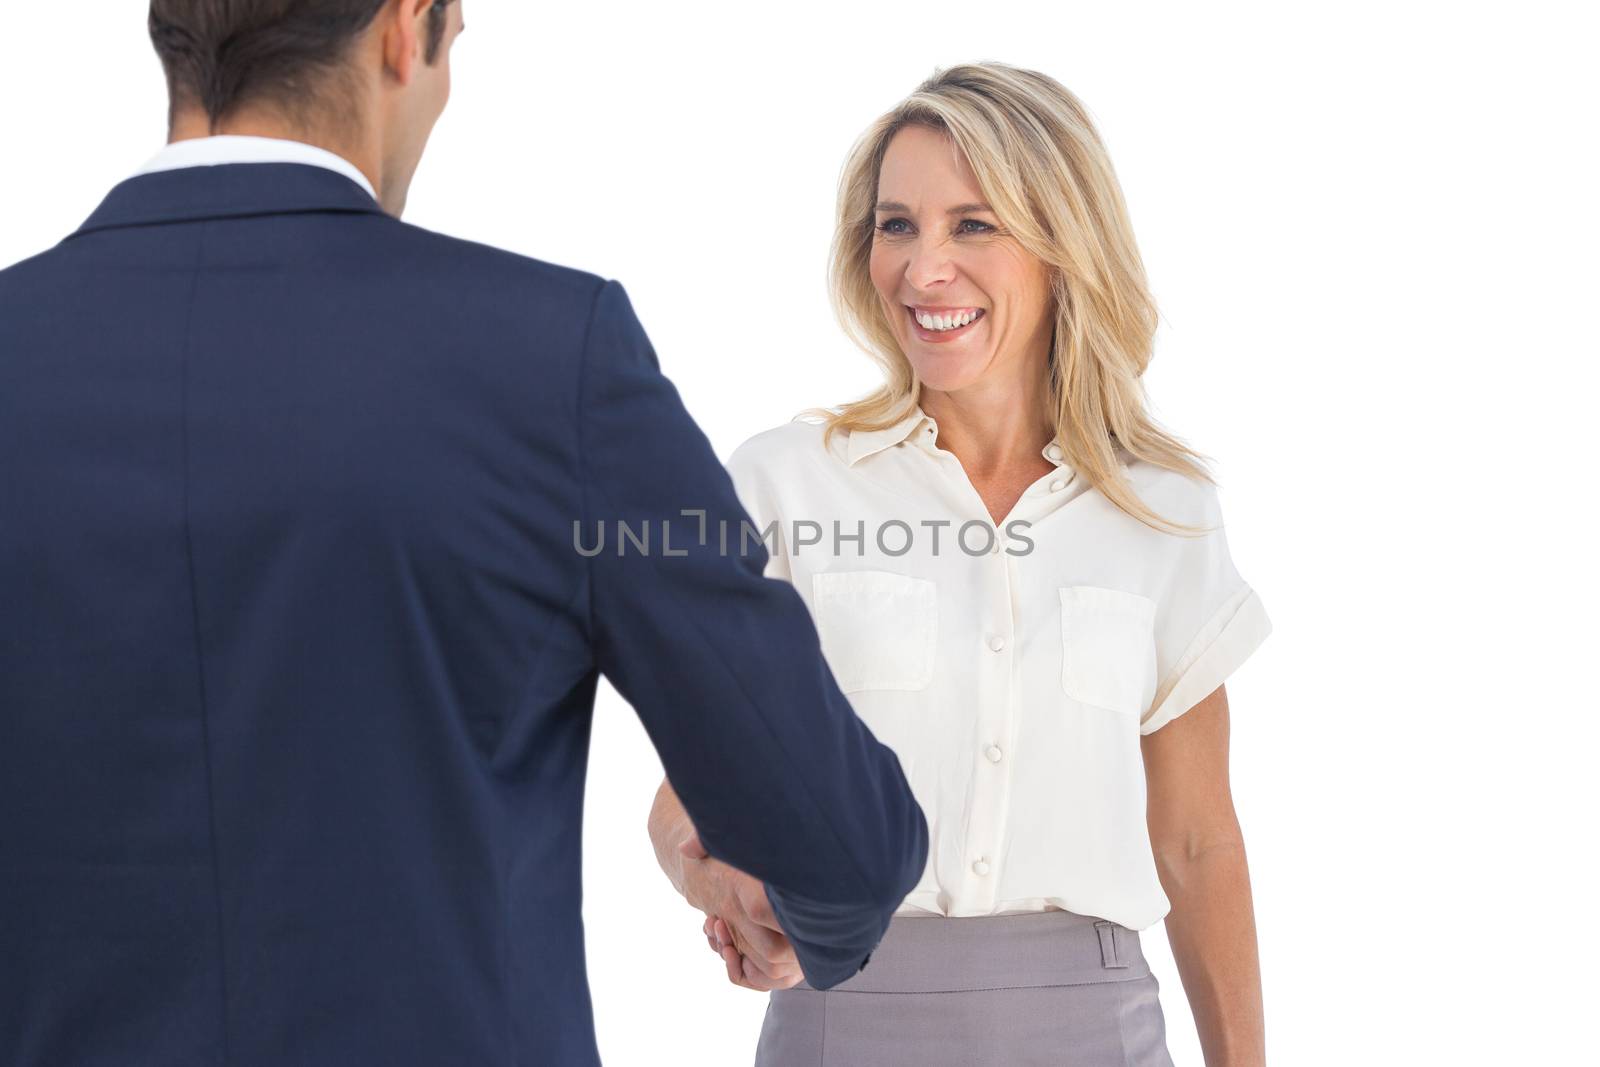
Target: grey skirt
<point x="1048" y="988"/>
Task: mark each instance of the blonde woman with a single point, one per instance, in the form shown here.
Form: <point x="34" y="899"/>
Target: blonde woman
<point x="1024" y="588"/>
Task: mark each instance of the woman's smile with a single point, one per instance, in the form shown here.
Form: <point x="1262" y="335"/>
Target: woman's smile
<point x="939" y="325"/>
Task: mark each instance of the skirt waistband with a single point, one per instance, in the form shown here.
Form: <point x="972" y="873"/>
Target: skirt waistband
<point x="933" y="954"/>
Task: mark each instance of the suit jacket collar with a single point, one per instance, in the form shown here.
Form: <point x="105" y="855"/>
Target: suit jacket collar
<point x="241" y="148"/>
<point x="232" y="190"/>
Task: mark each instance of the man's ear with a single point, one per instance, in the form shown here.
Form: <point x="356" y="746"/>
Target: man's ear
<point x="401" y="22"/>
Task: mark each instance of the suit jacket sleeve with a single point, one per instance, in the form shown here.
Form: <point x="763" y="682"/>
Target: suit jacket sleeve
<point x="725" y="670"/>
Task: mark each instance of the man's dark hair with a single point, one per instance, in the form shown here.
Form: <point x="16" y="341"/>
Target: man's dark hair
<point x="222" y="54"/>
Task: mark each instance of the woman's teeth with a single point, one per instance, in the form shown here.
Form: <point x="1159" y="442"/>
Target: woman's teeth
<point x="947" y="321"/>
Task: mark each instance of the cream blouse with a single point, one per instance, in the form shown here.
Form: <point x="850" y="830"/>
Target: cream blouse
<point x="1012" y="668"/>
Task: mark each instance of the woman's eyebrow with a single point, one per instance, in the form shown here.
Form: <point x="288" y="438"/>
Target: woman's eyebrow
<point x="959" y="209"/>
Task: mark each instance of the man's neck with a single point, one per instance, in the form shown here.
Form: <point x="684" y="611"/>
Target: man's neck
<point x="361" y="153"/>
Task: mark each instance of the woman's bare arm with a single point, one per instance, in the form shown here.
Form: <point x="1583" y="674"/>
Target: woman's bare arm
<point x="669" y="827"/>
<point x="1199" y="852"/>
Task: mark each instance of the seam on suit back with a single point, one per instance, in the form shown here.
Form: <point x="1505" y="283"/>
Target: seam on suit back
<point x="194" y="602"/>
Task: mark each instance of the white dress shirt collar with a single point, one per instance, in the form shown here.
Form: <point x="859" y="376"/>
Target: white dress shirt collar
<point x="232" y="148"/>
<point x="921" y="429"/>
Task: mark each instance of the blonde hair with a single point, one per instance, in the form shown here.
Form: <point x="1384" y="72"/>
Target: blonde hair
<point x="1045" y="172"/>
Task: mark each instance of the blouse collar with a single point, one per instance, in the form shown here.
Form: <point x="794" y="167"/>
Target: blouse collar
<point x="921" y="430"/>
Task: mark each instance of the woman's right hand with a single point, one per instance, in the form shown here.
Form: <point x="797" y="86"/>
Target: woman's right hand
<point x="740" y="925"/>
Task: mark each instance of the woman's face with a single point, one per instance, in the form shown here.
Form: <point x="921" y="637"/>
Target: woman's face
<point x="939" y="257"/>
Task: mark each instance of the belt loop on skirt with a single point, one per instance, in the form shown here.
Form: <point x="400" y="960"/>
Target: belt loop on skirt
<point x="1108" y="943"/>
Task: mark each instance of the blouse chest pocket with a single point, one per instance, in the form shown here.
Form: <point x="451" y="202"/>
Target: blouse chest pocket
<point x="1108" y="652"/>
<point x="878" y="628"/>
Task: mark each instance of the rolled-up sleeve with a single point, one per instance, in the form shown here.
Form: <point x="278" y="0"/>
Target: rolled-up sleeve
<point x="1208" y="621"/>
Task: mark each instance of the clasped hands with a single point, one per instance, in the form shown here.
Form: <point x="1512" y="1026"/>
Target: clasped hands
<point x="740" y="925"/>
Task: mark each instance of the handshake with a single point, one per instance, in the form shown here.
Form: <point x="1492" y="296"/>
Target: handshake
<point x="740" y="925"/>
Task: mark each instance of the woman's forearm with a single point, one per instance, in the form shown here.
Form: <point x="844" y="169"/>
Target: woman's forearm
<point x="669" y="826"/>
<point x="1212" y="931"/>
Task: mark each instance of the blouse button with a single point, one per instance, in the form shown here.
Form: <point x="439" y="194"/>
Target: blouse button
<point x="994" y="753"/>
<point x="997" y="642"/>
<point x="1054" y="451"/>
<point x="981" y="867"/>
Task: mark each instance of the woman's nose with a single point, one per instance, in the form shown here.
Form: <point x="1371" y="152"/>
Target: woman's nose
<point x="930" y="263"/>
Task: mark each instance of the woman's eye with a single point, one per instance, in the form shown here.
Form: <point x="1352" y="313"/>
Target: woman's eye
<point x="898" y="227"/>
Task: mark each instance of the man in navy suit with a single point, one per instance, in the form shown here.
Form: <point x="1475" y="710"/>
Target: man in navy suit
<point x="298" y="639"/>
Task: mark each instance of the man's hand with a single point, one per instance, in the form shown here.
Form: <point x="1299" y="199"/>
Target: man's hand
<point x="740" y="926"/>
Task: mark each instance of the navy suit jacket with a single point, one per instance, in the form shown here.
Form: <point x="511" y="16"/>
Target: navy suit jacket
<point x="298" y="651"/>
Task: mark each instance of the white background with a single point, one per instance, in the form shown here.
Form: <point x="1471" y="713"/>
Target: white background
<point x="1371" y="230"/>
